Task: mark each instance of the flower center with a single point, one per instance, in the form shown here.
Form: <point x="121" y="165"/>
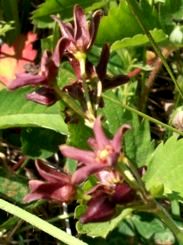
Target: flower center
<point x="102" y="155"/>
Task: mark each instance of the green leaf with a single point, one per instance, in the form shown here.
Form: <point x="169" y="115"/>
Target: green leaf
<point x="169" y="11"/>
<point x="115" y="115"/>
<point x="121" y="23"/>
<point x="5" y="27"/>
<point x="16" y="111"/>
<point x="41" y="16"/>
<point x="165" y="166"/>
<point x="102" y="229"/>
<point x="47" y="142"/>
<point x="12" y="186"/>
<point x="164" y="237"/>
<point x="137" y="144"/>
<point x="139" y="40"/>
<point x="147" y="225"/>
<point x="79" y="134"/>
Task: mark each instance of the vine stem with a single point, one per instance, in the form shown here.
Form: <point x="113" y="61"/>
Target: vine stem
<point x="40" y="224"/>
<point x="137" y="13"/>
<point x="151" y="119"/>
<point x="165" y="217"/>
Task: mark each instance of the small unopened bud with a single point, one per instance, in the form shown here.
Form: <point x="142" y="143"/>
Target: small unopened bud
<point x="177" y="121"/>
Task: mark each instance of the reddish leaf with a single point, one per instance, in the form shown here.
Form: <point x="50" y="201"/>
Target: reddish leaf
<point x="13" y="58"/>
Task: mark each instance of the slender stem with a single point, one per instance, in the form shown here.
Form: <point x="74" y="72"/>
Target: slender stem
<point x="150" y="80"/>
<point x="90" y="112"/>
<point x="167" y="220"/>
<point x="13" y="231"/>
<point x="151" y="119"/>
<point x="138" y="179"/>
<point x="69" y="101"/>
<point x="137" y="13"/>
<point x="131" y="181"/>
<point x="40" y="223"/>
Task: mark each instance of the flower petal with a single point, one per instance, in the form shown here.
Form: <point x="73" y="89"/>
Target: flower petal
<point x="100" y="136"/>
<point x="112" y="82"/>
<point x="83" y="173"/>
<point x="99" y="208"/>
<point x="65" y="28"/>
<point x="94" y="24"/>
<point x="49" y="191"/>
<point x="123" y="194"/>
<point x="24" y="79"/>
<point x="81" y="31"/>
<point x="116" y="141"/>
<point x="50" y="174"/>
<point x="44" y="96"/>
<point x="101" y="68"/>
<point x="59" y="50"/>
<point x="75" y="65"/>
<point x="86" y="157"/>
<point x="92" y="142"/>
<point x="48" y="68"/>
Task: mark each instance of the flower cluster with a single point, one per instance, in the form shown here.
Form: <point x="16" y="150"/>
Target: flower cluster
<point x="102" y="160"/>
<point x="80" y="35"/>
<point x="110" y="189"/>
<point x="76" y="40"/>
<point x="104" y="155"/>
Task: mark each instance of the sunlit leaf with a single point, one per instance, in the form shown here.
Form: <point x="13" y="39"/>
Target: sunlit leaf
<point x="121" y="23"/>
<point x="139" y="40"/>
<point x="165" y="167"/>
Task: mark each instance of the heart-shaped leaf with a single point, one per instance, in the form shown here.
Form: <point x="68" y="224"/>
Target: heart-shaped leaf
<point x="121" y="23"/>
<point x="165" y="167"/>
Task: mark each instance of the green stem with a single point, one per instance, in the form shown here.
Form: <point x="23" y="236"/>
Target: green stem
<point x="40" y="224"/>
<point x="90" y="112"/>
<point x="167" y="220"/>
<point x="151" y="119"/>
<point x="122" y="168"/>
<point x="138" y="179"/>
<point x="69" y="101"/>
<point x="138" y="15"/>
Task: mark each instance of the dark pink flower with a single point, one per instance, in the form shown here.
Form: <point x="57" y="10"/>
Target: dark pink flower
<point x="104" y="155"/>
<point x="55" y="186"/>
<point x="100" y="71"/>
<point x="81" y="34"/>
<point x="99" y="208"/>
<point x="44" y="79"/>
<point x="110" y="191"/>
